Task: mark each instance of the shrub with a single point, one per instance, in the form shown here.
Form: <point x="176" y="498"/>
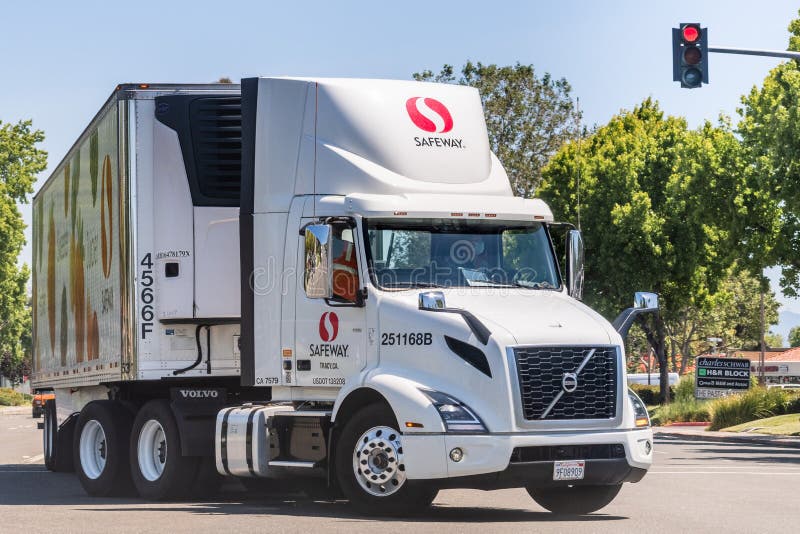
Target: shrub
<point x="684" y="391"/>
<point x="650" y="395"/>
<point x="685" y="410"/>
<point x="755" y="403"/>
<point x="9" y="397"/>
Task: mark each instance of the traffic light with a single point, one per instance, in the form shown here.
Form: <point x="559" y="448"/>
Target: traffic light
<point x="690" y="55"/>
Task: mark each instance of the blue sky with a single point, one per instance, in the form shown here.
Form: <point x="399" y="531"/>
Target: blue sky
<point x="61" y="60"/>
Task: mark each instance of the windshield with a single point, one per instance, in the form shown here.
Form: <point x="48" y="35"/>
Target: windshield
<point x="459" y="253"/>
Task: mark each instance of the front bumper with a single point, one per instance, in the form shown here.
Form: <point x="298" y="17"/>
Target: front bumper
<point x="487" y="458"/>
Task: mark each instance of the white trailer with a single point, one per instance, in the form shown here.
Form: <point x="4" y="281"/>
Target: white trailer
<point x="319" y="279"/>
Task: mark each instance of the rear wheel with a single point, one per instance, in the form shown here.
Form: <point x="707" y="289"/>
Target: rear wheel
<point x="574" y="500"/>
<point x="100" y="449"/>
<point x="159" y="470"/>
<point x="49" y="435"/>
<point x="370" y="466"/>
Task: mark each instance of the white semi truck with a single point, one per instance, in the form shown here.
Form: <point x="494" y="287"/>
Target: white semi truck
<point x="319" y="279"/>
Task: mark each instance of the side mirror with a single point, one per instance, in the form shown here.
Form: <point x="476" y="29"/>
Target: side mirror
<point x="647" y="302"/>
<point x="431" y="300"/>
<point x="318" y="276"/>
<point x="642" y="303"/>
<point x="575" y="264"/>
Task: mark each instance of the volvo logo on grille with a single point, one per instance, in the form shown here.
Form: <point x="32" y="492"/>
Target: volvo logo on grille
<point x="569" y="382"/>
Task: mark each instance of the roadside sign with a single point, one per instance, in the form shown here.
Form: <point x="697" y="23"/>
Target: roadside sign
<point x="718" y="377"/>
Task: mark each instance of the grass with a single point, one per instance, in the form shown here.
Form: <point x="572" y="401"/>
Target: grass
<point x="756" y="403"/>
<point x="786" y="425"/>
<point x="9" y="397"/>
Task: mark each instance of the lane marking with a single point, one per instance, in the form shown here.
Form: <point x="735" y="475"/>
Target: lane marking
<point x="32" y="459"/>
<point x="762" y="473"/>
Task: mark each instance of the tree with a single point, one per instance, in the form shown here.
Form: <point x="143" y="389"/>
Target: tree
<point x="732" y="313"/>
<point x="528" y="117"/>
<point x="770" y="132"/>
<point x="20" y="161"/>
<point x="224" y="79"/>
<point x="794" y="336"/>
<point x="773" y="340"/>
<point x="657" y="204"/>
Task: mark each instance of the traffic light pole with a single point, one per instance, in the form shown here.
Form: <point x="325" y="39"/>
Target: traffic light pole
<point x="750" y="52"/>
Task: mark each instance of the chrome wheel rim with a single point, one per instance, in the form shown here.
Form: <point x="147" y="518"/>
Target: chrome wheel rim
<point x="152" y="450"/>
<point x="93" y="449"/>
<point x="378" y="461"/>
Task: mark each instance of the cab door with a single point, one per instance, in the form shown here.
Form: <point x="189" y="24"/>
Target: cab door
<point x="330" y="339"/>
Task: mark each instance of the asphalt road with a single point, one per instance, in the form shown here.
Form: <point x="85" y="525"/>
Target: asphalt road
<point x="694" y="486"/>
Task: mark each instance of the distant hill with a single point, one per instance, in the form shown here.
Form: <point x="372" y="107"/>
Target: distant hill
<point x="786" y="321"/>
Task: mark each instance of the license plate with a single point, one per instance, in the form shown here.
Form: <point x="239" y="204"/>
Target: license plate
<point x="571" y="470"/>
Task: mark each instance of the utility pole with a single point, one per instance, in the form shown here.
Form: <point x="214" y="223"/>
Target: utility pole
<point x="761" y="356"/>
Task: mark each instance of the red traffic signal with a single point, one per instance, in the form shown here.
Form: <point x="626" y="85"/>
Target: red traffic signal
<point x="690" y="33"/>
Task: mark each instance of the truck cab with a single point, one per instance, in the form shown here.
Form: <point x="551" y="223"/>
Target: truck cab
<point x="419" y="299"/>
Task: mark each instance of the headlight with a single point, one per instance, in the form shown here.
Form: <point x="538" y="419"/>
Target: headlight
<point x="456" y="416"/>
<point x="642" y="418"/>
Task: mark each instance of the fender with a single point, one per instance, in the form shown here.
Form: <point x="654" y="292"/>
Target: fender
<point x="403" y="396"/>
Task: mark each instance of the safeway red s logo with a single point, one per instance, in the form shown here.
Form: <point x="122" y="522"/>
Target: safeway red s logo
<point x="429" y="114"/>
<point x="328" y="326"/>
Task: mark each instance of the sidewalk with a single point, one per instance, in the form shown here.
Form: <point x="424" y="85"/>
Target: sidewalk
<point x="15" y="410"/>
<point x="701" y="434"/>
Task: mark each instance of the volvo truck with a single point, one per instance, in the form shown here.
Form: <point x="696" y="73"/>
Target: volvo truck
<point x="327" y="280"/>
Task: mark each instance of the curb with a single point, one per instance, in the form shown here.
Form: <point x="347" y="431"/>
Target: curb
<point x="777" y="441"/>
<point x="15" y="410"/>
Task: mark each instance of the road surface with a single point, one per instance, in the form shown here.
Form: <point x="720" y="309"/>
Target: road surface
<point x="694" y="486"/>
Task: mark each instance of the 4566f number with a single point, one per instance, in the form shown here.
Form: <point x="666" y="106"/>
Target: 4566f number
<point x="146" y="295"/>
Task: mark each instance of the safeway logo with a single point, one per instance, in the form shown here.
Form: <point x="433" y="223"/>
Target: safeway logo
<point x="328" y="326"/>
<point x="429" y="115"/>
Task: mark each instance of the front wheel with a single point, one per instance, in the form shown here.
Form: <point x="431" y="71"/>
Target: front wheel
<point x="574" y="500"/>
<point x="370" y="466"/>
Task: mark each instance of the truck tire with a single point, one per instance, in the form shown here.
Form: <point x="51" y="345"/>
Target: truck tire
<point x="159" y="470"/>
<point x="574" y="500"/>
<point x="100" y="449"/>
<point x="369" y="466"/>
<point x="50" y="435"/>
<point x="207" y="481"/>
<point x="57" y="441"/>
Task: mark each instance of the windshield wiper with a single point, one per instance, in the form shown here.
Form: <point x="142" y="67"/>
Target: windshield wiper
<point x="413" y="285"/>
<point x="533" y="285"/>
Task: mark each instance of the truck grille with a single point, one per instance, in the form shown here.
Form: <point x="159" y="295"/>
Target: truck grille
<point x="542" y="381"/>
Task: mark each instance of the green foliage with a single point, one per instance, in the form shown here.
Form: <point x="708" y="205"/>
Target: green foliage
<point x="770" y="132"/>
<point x="773" y="340"/>
<point x="794" y="336"/>
<point x="682" y="411"/>
<point x="668" y="201"/>
<point x="9" y="397"/>
<point x="649" y="394"/>
<point x="528" y="117"/>
<point x="684" y="391"/>
<point x="20" y="161"/>
<point x="755" y="403"/>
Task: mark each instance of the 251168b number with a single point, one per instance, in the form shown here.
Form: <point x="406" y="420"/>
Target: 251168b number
<point x="406" y="338"/>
